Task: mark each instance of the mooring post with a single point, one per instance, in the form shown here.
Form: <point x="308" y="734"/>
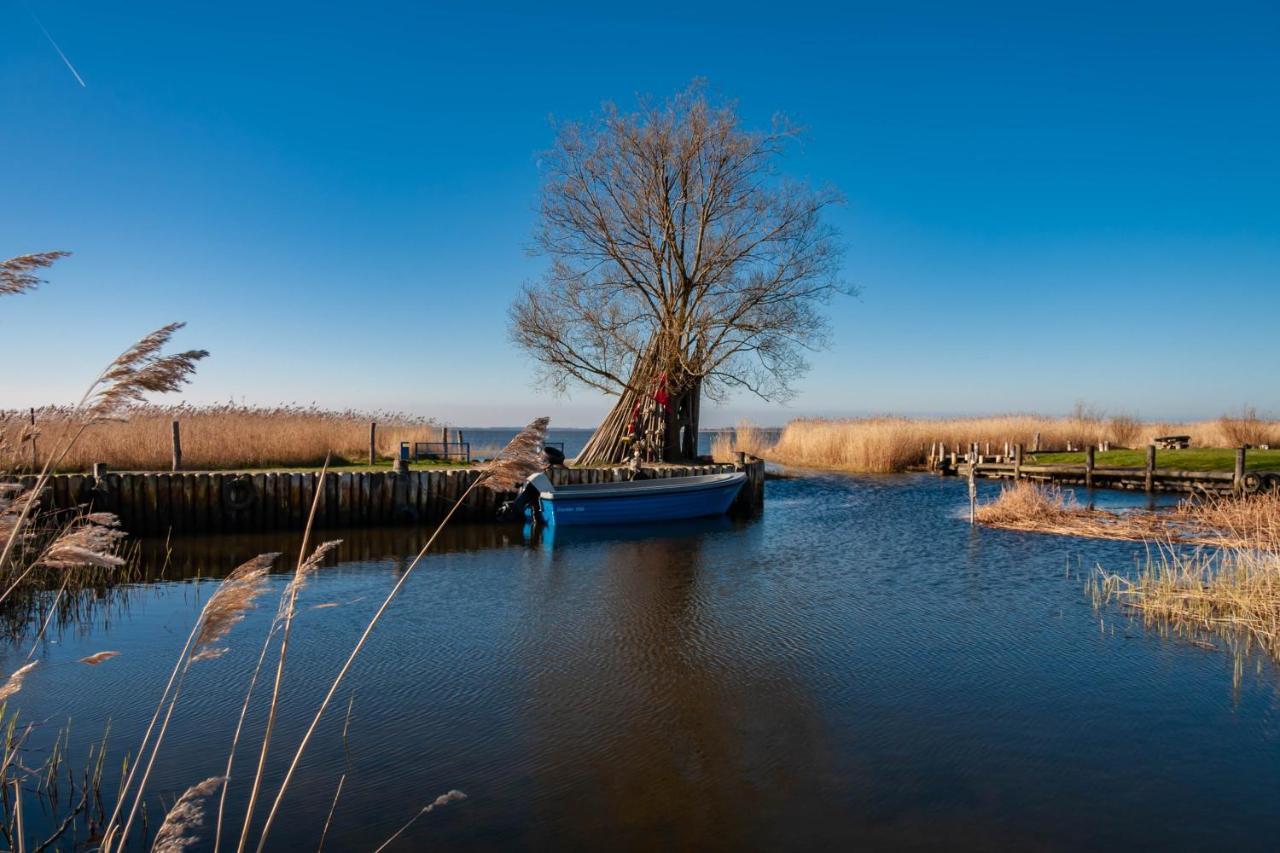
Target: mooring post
<point x="1237" y="482"/>
<point x="1088" y="466"/>
<point x="99" y="471"/>
<point x="1017" y="461"/>
<point x="739" y="460"/>
<point x="177" y="447"/>
<point x="373" y="442"/>
<point x="1149" y="480"/>
<point x="973" y="488"/>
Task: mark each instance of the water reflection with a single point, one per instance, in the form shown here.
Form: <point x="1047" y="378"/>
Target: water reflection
<point x="856" y="668"/>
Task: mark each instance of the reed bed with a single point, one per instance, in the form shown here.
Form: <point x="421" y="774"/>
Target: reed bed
<point x="746" y="437"/>
<point x="891" y="444"/>
<point x="1033" y="508"/>
<point x="1248" y="522"/>
<point x="213" y="437"/>
<point x="1233" y="593"/>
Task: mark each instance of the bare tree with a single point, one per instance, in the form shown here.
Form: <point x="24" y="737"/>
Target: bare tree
<point x="681" y="263"/>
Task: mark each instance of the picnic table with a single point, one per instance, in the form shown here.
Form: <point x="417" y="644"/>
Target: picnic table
<point x="1173" y="442"/>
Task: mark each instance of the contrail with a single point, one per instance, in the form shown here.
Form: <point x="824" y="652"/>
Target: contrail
<point x="70" y="67"/>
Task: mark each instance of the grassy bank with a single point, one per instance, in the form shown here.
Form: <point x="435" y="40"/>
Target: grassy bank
<point x="888" y="444"/>
<point x="213" y="437"/>
<point x="1193" y="459"/>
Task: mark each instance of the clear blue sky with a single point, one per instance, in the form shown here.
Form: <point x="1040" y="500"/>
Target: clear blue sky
<point x="1046" y="203"/>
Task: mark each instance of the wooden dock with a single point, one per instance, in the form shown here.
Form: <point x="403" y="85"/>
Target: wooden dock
<point x="236" y="502"/>
<point x="1150" y="478"/>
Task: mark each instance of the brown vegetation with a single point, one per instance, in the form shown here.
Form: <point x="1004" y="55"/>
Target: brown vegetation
<point x="745" y="437"/>
<point x="213" y="437"/>
<point x="888" y="444"/>
<point x="1233" y="593"/>
<point x="1030" y="507"/>
<point x="1252" y="521"/>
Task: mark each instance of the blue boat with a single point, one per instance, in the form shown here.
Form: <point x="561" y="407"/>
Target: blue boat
<point x="636" y="501"/>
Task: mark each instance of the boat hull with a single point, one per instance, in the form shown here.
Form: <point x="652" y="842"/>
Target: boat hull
<point x="643" y="501"/>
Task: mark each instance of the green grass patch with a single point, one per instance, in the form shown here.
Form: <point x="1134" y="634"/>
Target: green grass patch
<point x="1192" y="459"/>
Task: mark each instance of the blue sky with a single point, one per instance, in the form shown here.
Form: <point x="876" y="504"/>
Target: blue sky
<point x="1046" y="203"/>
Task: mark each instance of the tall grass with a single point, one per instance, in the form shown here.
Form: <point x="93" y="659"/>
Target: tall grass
<point x="213" y="437"/>
<point x="746" y="437"/>
<point x="888" y="444"/>
<point x="1233" y="593"/>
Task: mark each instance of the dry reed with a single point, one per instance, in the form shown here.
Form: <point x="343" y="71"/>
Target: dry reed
<point x="888" y="444"/>
<point x="442" y="800"/>
<point x="14" y="682"/>
<point x="1034" y="508"/>
<point x="1233" y="593"/>
<point x="745" y="438"/>
<point x="1251" y="521"/>
<point x="18" y="275"/>
<point x="213" y="437"/>
<point x="178" y="831"/>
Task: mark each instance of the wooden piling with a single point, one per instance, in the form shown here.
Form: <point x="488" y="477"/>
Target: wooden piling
<point x="1017" y="461"/>
<point x="177" y="447"/>
<point x="1237" y="480"/>
<point x="1089" y="453"/>
<point x="1149" y="475"/>
<point x="373" y="443"/>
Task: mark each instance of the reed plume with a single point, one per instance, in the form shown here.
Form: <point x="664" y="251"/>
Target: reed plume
<point x="442" y="800"/>
<point x="98" y="657"/>
<point x="227" y="606"/>
<point x="18" y="275"/>
<point x="519" y="459"/>
<point x="141" y="369"/>
<point x="178" y="832"/>
<point x="14" y="683"/>
<point x="92" y="541"/>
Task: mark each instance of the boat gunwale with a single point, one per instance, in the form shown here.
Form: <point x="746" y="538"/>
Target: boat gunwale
<point x="639" y="488"/>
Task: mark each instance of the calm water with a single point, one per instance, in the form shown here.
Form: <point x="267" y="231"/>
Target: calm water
<point x="857" y="666"/>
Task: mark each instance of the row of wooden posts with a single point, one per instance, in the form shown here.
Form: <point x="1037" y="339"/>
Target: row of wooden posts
<point x="1012" y="465"/>
<point x="150" y="503"/>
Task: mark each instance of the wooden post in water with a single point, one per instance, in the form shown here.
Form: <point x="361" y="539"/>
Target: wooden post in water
<point x="1237" y="481"/>
<point x="973" y="488"/>
<point x="1149" y="479"/>
<point x="1017" y="461"/>
<point x="1088" y="466"/>
<point x="373" y="442"/>
<point x="177" y="447"/>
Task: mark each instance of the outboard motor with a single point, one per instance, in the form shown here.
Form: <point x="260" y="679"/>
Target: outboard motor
<point x="553" y="455"/>
<point x="516" y="510"/>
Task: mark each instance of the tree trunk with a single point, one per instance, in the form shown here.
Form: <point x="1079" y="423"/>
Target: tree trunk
<point x="638" y="421"/>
